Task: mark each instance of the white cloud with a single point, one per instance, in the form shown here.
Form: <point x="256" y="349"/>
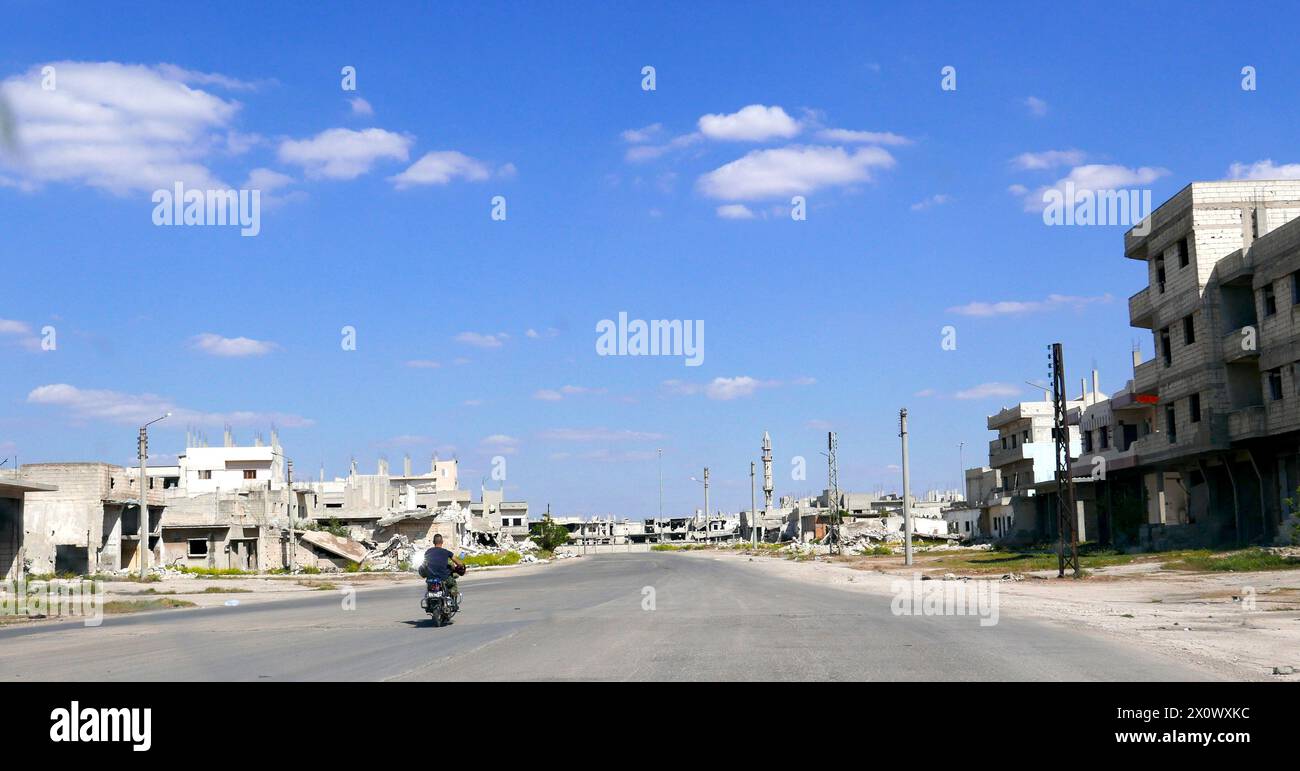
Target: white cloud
<point x="728" y="388"/>
<point x="117" y="407"/>
<point x="500" y="444"/>
<point x="216" y="345"/>
<point x="1048" y="159"/>
<point x="1019" y="307"/>
<point x="862" y="137"/>
<point x="735" y="211"/>
<point x="1264" y="169"/>
<point x="939" y="199"/>
<point x="1093" y="178"/>
<point x="791" y="170"/>
<point x="422" y="364"/>
<point x="341" y="153"/>
<point x="549" y="332"/>
<point x="556" y="394"/>
<point x="643" y="153"/>
<point x="989" y="390"/>
<point x="598" y="435"/>
<point x="117" y="127"/>
<point x="19" y="332"/>
<point x="172" y="72"/>
<point x="361" y="107"/>
<point x="480" y="340"/>
<point x="642" y="135"/>
<point x="439" y="168"/>
<point x="754" y="123"/>
<point x="270" y="182"/>
<point x="1037" y="107"/>
<point x="267" y="180"/>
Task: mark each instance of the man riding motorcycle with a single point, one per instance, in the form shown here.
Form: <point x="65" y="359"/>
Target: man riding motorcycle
<point x="442" y="565"/>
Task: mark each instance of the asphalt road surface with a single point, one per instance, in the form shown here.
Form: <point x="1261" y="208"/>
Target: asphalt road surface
<point x="582" y="619"/>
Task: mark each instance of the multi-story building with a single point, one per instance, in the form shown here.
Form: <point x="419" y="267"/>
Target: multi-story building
<point x="1021" y="460"/>
<point x="1221" y="303"/>
<point x="1109" y="485"/>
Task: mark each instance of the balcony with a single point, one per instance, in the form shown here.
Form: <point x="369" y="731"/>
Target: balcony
<point x="1146" y="377"/>
<point x="1248" y="422"/>
<point x="1001" y="457"/>
<point x="1235" y="346"/>
<point x="1140" y="310"/>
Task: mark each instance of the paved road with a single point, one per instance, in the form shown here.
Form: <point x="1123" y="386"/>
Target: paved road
<point x="715" y="619"/>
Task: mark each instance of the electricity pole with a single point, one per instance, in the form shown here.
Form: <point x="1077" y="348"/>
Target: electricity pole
<point x="1067" y="517"/>
<point x="833" y="490"/>
<point x="293" y="544"/>
<point x="706" y="504"/>
<point x="907" y="505"/>
<point x="753" y="508"/>
<point x="660" y="524"/>
<point x="142" y="449"/>
<point x="961" y="463"/>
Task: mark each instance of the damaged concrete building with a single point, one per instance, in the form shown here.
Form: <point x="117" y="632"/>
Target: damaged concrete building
<point x="13" y="497"/>
<point x="89" y="521"/>
<point x="1202" y="446"/>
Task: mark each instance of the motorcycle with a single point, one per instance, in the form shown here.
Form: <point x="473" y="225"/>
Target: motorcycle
<point x="438" y="601"/>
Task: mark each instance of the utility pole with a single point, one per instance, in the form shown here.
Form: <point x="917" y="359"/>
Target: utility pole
<point x="1067" y="517"/>
<point x="833" y="490"/>
<point x="907" y="504"/>
<point x="961" y="466"/>
<point x="142" y="448"/>
<point x="659" y="525"/>
<point x="293" y="544"/>
<point x="706" y="504"/>
<point x="753" y="508"/>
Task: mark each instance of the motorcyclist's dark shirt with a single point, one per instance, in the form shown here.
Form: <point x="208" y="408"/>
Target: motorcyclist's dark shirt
<point x="437" y="561"/>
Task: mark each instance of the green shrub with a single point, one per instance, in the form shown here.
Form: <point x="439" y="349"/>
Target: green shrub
<point x="492" y="560"/>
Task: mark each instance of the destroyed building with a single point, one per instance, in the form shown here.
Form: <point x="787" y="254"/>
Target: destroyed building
<point x="89" y="519"/>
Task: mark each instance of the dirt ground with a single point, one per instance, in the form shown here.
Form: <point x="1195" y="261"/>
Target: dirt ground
<point x="1202" y="618"/>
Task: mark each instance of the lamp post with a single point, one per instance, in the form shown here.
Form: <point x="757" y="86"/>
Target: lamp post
<point x="907" y="505"/>
<point x="659" y="525"/>
<point x="961" y="463"/>
<point x="142" y="449"/>
<point x="753" y="506"/>
<point x="705" y="482"/>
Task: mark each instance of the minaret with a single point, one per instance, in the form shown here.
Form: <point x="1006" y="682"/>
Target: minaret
<point x="767" y="472"/>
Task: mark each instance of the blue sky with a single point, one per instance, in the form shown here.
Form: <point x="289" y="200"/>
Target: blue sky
<point x="615" y="202"/>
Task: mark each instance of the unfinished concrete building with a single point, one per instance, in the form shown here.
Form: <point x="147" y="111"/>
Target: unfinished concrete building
<point x="13" y="492"/>
<point x="1022" y="460"/>
<point x="1223" y="306"/>
<point x="90" y="522"/>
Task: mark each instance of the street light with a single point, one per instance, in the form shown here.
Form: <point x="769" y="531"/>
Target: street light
<point x="753" y="506"/>
<point x="705" y="482"/>
<point x="142" y="449"/>
<point x="660" y="523"/>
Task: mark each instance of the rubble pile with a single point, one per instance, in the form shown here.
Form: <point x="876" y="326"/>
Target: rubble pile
<point x="400" y="551"/>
